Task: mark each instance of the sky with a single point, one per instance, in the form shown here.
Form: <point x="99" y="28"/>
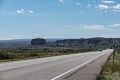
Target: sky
<point x="22" y="19"/>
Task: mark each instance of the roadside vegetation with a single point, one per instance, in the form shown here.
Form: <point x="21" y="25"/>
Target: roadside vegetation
<point x="20" y="54"/>
<point x="111" y="69"/>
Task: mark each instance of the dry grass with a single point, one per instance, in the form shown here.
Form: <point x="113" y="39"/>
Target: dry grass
<point x="111" y="70"/>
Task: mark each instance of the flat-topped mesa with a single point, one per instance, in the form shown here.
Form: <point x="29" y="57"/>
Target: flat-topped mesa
<point x="38" y="41"/>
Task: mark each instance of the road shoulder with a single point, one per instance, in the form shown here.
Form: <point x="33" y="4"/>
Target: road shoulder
<point x="89" y="72"/>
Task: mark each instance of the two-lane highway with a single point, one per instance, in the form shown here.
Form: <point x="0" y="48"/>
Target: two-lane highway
<point x="50" y="68"/>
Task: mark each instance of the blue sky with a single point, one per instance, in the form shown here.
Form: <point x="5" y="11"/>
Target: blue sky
<point x="59" y="18"/>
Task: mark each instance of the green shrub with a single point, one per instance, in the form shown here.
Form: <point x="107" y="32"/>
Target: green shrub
<point x="6" y="55"/>
<point x="18" y="54"/>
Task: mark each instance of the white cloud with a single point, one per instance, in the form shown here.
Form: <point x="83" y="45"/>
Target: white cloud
<point x="77" y="3"/>
<point x="30" y="11"/>
<point x="61" y="1"/>
<point x="90" y="27"/>
<point x="106" y="5"/>
<point x="22" y="11"/>
<point x="117" y="7"/>
<point x="94" y="27"/>
<point x="116" y="25"/>
<point x="102" y="6"/>
<point x="107" y="1"/>
<point x="89" y="5"/>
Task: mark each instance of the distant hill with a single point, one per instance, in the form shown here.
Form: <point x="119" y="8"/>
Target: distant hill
<point x="14" y="42"/>
<point x="90" y="42"/>
<point x="97" y="42"/>
<point x="21" y="42"/>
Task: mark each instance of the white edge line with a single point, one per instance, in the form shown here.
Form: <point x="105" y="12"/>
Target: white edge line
<point x="77" y="67"/>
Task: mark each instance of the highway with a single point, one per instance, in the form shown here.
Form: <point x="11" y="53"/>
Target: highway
<point x="51" y="68"/>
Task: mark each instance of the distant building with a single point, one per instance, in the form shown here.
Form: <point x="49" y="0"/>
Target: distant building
<point x="38" y="41"/>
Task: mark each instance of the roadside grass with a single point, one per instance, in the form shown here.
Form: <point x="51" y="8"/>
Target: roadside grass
<point x="22" y="54"/>
<point x="111" y="70"/>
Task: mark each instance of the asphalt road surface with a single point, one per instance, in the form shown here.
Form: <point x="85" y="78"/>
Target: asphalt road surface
<point x="51" y="68"/>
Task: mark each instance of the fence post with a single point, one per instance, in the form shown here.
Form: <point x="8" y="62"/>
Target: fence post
<point x="114" y="55"/>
